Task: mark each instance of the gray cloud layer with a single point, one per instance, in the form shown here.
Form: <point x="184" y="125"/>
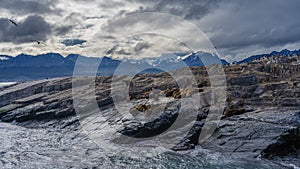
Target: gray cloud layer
<point x="28" y="6"/>
<point x="188" y="9"/>
<point x="269" y="25"/>
<point x="236" y="27"/>
<point x="32" y="28"/>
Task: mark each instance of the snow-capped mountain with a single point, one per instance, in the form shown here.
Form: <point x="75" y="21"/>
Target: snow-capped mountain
<point x="155" y="62"/>
<point x="28" y="67"/>
<point x="43" y="60"/>
<point x="202" y="58"/>
<point x="4" y="57"/>
<point x="283" y="53"/>
<point x="178" y="60"/>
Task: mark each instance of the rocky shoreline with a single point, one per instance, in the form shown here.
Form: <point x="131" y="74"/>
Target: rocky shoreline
<point x="261" y="119"/>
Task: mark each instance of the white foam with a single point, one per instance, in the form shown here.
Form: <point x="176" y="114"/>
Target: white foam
<point x="293" y="166"/>
<point x="3" y="84"/>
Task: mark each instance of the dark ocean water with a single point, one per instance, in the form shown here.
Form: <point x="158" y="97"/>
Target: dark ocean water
<point x="39" y="148"/>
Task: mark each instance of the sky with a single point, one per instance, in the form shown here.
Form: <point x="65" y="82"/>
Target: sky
<point x="149" y="28"/>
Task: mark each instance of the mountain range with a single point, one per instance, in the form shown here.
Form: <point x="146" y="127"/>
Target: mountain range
<point x="283" y="53"/>
<point x="27" y="67"/>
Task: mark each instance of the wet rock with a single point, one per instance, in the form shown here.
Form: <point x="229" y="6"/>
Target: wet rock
<point x="248" y="136"/>
<point x="289" y="102"/>
<point x="65" y="112"/>
<point x="288" y="143"/>
<point x="192" y="138"/>
<point x="24" y="117"/>
<point x="277" y="86"/>
<point x="23" y="113"/>
<point x="244" y="80"/>
<point x="105" y="102"/>
<point x="44" y="115"/>
<point x="4" y="110"/>
<point x="152" y="128"/>
<point x="8" y="118"/>
<point x="30" y="99"/>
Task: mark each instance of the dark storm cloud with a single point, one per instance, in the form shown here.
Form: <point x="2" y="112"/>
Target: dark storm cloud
<point x="264" y="24"/>
<point x="188" y="9"/>
<point x="63" y="30"/>
<point x="28" y="6"/>
<point x="69" y="23"/>
<point x="33" y="28"/>
<point x="232" y="25"/>
<point x="265" y="38"/>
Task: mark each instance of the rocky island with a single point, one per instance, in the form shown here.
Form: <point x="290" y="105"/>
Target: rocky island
<point x="261" y="119"/>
